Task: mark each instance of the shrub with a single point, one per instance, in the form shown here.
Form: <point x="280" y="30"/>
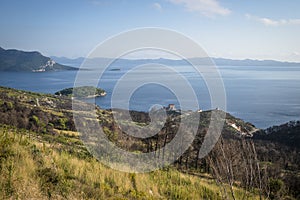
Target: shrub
<point x="277" y="188"/>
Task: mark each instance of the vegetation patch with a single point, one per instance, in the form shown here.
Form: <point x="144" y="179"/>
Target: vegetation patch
<point x="82" y="92"/>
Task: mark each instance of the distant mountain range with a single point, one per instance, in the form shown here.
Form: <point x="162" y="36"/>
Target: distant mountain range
<point x="76" y="62"/>
<point x="16" y="60"/>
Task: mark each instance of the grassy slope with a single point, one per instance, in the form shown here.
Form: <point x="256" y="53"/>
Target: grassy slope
<point x="42" y="166"/>
<point x="57" y="165"/>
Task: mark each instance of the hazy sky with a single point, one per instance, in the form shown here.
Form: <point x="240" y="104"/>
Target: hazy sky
<point x="260" y="29"/>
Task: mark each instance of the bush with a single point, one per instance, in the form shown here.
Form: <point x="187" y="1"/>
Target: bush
<point x="277" y="188"/>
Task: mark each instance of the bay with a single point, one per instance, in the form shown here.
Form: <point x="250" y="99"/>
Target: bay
<point x="262" y="95"/>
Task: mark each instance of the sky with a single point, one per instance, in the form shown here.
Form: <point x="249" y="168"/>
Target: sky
<point x="256" y="29"/>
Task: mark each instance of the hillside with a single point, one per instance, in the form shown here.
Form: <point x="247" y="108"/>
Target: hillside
<point x="41" y="156"/>
<point x="15" y="60"/>
<point x="41" y="150"/>
<point x="35" y="166"/>
<point x="287" y="134"/>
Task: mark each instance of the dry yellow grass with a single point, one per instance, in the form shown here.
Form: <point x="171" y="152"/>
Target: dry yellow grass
<point x="38" y="172"/>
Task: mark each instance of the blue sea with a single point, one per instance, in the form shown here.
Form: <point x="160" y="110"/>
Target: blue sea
<point x="262" y="95"/>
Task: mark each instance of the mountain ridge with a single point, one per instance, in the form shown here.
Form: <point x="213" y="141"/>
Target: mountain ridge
<point x="76" y="62"/>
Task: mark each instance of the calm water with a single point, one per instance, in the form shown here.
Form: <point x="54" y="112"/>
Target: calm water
<point x="264" y="96"/>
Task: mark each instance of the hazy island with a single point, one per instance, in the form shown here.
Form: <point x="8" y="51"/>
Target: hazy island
<point x="82" y="92"/>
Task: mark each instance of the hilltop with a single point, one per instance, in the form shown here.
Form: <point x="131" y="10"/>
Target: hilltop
<point x="16" y="60"/>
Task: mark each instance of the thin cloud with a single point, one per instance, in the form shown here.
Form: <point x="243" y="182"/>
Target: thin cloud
<point x="157" y="6"/>
<point x="99" y="2"/>
<point x="205" y="7"/>
<point x="272" y="22"/>
<point x="296" y="53"/>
